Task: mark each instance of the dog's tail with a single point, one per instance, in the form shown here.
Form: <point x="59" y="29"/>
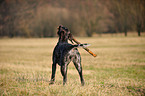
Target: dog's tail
<point x="69" y="46"/>
<point x="82" y="45"/>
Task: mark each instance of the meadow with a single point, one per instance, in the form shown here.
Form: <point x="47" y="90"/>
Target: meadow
<point x="118" y="69"/>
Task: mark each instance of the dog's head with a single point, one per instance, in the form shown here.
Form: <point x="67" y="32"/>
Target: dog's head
<point x="64" y="34"/>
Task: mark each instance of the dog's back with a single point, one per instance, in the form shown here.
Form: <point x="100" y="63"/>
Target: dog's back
<point x="65" y="52"/>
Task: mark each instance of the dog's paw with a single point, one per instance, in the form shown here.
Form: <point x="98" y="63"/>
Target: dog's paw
<point x="82" y="83"/>
<point x="51" y="82"/>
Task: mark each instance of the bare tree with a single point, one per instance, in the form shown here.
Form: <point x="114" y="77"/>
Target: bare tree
<point x="138" y="14"/>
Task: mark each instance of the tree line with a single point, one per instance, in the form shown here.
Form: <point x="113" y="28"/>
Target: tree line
<point x="40" y="18"/>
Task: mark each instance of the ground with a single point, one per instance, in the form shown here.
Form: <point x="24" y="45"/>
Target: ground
<point x="118" y="69"/>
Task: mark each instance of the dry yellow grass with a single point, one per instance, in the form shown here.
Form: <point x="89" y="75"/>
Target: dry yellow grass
<point x="118" y="70"/>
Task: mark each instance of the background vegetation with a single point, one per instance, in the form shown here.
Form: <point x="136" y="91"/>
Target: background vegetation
<point x="118" y="70"/>
<point x="40" y="18"/>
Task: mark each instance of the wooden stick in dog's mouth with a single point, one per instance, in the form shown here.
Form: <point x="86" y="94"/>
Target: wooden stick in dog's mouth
<point x="84" y="48"/>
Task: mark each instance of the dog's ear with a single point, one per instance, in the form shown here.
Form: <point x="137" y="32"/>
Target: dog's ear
<point x="59" y="27"/>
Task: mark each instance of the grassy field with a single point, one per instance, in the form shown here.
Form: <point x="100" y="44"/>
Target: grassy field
<point x="118" y="70"/>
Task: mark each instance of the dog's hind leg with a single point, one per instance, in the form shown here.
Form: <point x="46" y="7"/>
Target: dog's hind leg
<point x="53" y="72"/>
<point x="64" y="73"/>
<point x="64" y="66"/>
<point x="77" y="63"/>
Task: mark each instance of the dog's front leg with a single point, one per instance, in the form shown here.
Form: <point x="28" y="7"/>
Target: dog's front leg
<point x="53" y="73"/>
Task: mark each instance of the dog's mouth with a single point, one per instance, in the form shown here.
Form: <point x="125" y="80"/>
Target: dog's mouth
<point x="64" y="35"/>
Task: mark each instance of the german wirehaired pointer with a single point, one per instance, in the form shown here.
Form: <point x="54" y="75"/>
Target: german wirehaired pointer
<point x="64" y="53"/>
